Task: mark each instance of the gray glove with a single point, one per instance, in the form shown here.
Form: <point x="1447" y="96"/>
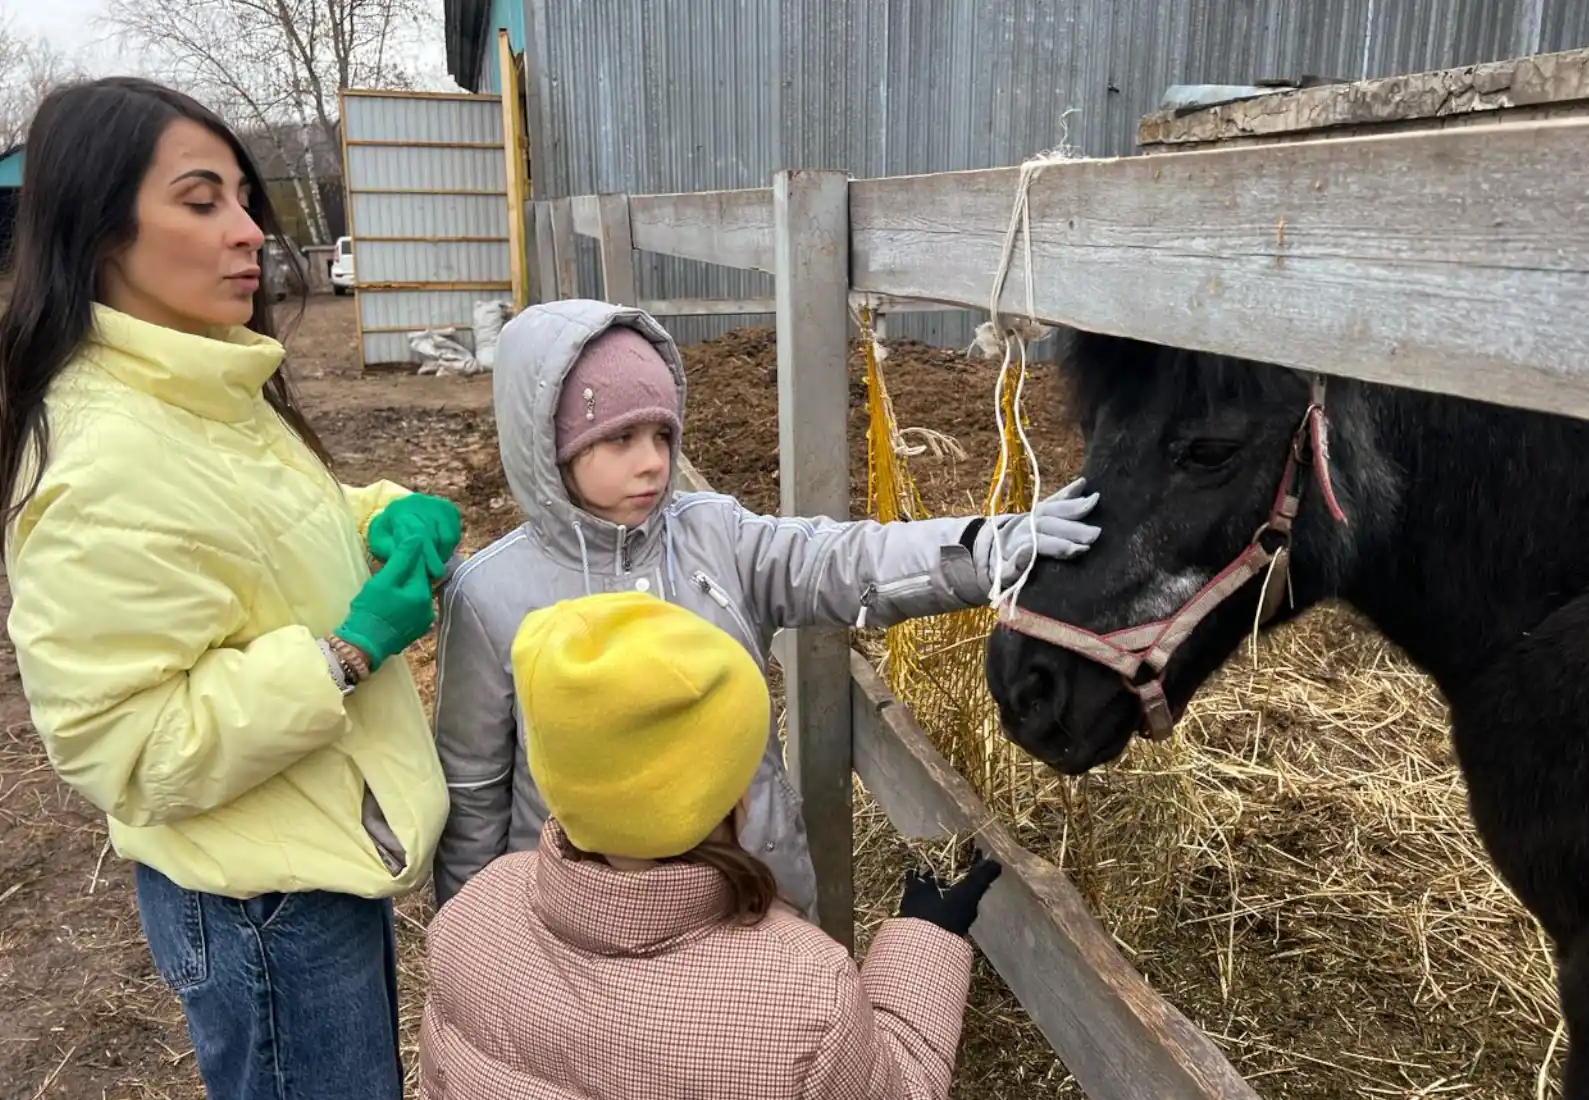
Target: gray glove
<point x="1059" y="534"/>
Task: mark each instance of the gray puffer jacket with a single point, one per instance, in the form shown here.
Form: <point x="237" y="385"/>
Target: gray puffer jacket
<point x="751" y="575"/>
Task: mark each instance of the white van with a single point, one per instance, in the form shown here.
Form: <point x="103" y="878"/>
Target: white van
<point x="342" y="279"/>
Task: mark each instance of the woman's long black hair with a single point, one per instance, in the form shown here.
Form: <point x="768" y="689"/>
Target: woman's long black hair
<point x="87" y="152"/>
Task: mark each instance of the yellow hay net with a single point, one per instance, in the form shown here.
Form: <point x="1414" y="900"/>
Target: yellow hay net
<point x="935" y="665"/>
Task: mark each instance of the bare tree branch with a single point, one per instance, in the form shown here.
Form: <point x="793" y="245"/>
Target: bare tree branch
<point x="29" y="69"/>
<point x="275" y="65"/>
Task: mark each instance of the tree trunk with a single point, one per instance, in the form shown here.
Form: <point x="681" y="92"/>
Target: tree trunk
<point x="315" y="210"/>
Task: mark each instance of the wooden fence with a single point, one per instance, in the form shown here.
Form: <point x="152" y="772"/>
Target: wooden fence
<point x="1449" y="259"/>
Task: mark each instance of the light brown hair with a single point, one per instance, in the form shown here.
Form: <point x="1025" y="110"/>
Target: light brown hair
<point x="750" y="882"/>
<point x="752" y="888"/>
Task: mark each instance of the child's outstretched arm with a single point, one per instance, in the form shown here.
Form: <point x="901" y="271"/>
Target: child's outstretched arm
<point x="475" y="738"/>
<point x="818" y="572"/>
<point x="897" y="1024"/>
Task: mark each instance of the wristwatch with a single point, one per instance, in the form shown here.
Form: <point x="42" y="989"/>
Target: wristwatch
<point x="339" y="671"/>
<point x="352" y="657"/>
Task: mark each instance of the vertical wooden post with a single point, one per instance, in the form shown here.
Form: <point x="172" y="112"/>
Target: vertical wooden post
<point x="518" y="166"/>
<point x="545" y="254"/>
<point x="617" y="250"/>
<point x="532" y="253"/>
<point x="811" y="227"/>
<point x="566" y="259"/>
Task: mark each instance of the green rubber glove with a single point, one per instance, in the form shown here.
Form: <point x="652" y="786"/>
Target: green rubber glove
<point x="393" y="610"/>
<point x="416" y="516"/>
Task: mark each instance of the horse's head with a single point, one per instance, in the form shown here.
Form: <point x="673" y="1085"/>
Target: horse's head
<point x="1188" y="451"/>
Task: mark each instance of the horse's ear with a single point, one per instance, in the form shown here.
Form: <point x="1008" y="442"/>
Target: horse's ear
<point x="1090" y="369"/>
<point x="1097" y="365"/>
<point x="1092" y="351"/>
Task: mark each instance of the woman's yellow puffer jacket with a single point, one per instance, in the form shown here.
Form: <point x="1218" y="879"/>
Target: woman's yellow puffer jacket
<point x="169" y="580"/>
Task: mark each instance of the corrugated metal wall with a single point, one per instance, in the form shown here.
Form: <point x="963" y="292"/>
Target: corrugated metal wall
<point x="668" y="95"/>
<point x="427" y="184"/>
<point x="681" y="95"/>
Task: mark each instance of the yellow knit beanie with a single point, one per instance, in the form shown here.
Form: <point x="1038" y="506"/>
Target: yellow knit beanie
<point x="644" y="723"/>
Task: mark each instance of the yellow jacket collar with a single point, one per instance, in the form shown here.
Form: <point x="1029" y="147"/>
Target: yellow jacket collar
<point x="218" y="377"/>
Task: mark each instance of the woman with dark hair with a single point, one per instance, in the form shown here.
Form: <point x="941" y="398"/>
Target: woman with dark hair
<point x="206" y="654"/>
<point x="639" y="951"/>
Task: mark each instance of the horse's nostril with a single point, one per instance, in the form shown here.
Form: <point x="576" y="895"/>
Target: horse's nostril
<point x="1034" y="688"/>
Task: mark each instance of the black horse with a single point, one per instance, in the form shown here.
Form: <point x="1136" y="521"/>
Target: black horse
<point x="1460" y="528"/>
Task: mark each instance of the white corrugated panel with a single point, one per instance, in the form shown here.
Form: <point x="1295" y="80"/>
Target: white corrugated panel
<point x="424" y="117"/>
<point x="394" y="310"/>
<point x="448" y="261"/>
<point x="426" y="181"/>
<point x="420" y="216"/>
<point x="430" y="168"/>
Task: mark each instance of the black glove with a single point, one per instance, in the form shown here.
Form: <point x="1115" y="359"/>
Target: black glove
<point x="951" y="908"/>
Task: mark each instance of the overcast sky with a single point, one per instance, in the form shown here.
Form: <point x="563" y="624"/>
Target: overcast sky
<point x="70" y="26"/>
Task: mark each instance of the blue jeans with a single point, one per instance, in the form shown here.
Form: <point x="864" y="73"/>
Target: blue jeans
<point x="287" y="996"/>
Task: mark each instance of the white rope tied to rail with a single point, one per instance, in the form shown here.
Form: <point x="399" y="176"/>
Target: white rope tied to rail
<point x="1012" y="338"/>
<point x="997" y="593"/>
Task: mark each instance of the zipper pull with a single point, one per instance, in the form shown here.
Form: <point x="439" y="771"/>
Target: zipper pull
<point x="704" y="583"/>
<point x="866" y="602"/>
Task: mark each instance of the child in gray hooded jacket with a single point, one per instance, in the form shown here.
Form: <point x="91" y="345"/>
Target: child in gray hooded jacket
<point x="589" y="402"/>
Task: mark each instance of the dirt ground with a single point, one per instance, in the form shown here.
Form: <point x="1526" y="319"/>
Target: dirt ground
<point x="82" y="1013"/>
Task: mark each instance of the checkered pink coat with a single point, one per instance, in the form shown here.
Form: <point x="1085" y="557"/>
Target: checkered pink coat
<point x="553" y="979"/>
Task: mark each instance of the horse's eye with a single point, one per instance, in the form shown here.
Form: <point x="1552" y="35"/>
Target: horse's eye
<point x="1209" y="454"/>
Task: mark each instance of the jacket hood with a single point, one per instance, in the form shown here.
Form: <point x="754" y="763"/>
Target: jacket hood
<point x="535" y="352"/>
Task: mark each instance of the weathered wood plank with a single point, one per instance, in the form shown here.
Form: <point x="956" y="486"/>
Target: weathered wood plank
<point x="1119" y="1038"/>
<point x="707" y="307"/>
<point x="892" y="303"/>
<point x="587" y="215"/>
<point x="811" y="219"/>
<point x="545" y="254"/>
<point x="617" y="249"/>
<point x="1542" y="80"/>
<point x="564" y="253"/>
<point x="732" y="228"/>
<point x="1454" y="261"/>
<point x="691" y="478"/>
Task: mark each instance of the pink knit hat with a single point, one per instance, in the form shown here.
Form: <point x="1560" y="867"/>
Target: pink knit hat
<point x="618" y="381"/>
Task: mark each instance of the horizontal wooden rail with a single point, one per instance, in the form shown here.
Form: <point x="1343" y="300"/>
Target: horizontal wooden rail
<point x="710" y="307"/>
<point x="732" y="228"/>
<point x="706" y="307"/>
<point x="1453" y="261"/>
<point x="893" y="303"/>
<point x="1116" y="1036"/>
